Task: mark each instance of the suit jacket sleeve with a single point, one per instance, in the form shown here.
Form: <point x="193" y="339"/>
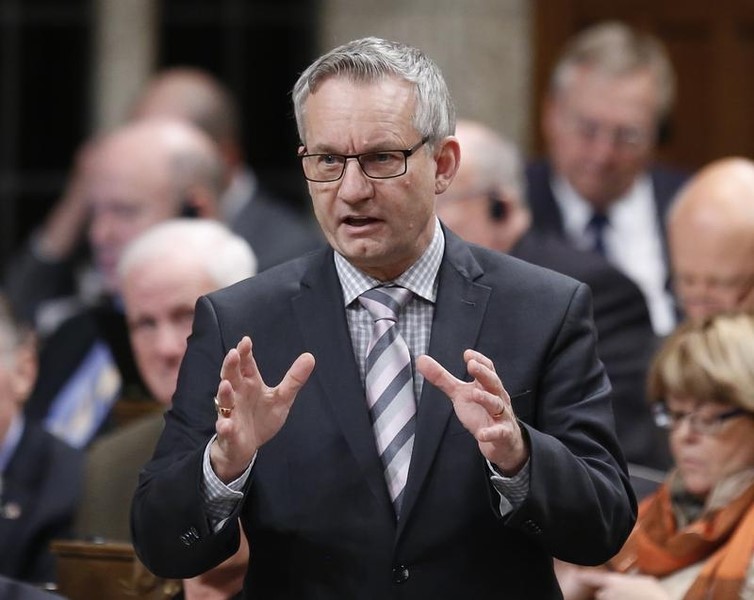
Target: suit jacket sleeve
<point x="580" y="503"/>
<point x="170" y="529"/>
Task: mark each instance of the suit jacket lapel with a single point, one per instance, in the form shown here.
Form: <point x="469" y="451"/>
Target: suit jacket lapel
<point x="317" y="308"/>
<point x="459" y="311"/>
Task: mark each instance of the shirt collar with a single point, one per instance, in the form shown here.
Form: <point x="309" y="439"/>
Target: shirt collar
<point x="420" y="278"/>
<point x="577" y="211"/>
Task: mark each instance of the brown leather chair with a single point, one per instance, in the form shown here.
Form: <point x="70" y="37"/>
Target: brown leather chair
<point x="108" y="570"/>
<point x="128" y="410"/>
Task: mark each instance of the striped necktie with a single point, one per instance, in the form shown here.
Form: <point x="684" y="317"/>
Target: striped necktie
<point x="389" y="387"/>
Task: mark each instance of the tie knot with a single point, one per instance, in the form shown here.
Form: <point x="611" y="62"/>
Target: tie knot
<point x="385" y="302"/>
<point x="598" y="222"/>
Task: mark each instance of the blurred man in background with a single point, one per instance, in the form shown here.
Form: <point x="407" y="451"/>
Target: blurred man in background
<point x="610" y="96"/>
<point x="274" y="229"/>
<point x="711" y="232"/>
<point x="40" y="476"/>
<point x="137" y="176"/>
<point x="486" y="205"/>
<point x="163" y="272"/>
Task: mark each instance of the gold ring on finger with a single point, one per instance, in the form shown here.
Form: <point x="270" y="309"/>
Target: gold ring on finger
<point x="222" y="410"/>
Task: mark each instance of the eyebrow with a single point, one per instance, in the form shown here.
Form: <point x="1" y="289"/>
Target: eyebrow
<point x="372" y="147"/>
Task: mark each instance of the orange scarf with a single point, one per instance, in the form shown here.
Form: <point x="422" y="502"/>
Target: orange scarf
<point x="723" y="539"/>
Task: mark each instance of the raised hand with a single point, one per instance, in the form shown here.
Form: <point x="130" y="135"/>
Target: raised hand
<point x="250" y="412"/>
<point x="483" y="407"/>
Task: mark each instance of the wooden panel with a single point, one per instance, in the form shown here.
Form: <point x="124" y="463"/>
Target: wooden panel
<point x="690" y="45"/>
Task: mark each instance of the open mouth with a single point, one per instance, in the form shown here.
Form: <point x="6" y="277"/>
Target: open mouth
<point x="359" y="221"/>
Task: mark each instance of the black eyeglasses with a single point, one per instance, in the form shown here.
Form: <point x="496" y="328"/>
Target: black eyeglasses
<point x="700" y="423"/>
<point x="622" y="137"/>
<point x="383" y="164"/>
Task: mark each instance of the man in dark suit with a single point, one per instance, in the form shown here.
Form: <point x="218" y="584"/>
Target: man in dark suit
<point x="40" y="476"/>
<point x="274" y="229"/>
<point x="357" y="490"/>
<point x="486" y="205"/>
<point x="610" y="96"/>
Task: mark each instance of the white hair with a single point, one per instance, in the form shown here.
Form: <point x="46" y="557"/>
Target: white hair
<point x="224" y="256"/>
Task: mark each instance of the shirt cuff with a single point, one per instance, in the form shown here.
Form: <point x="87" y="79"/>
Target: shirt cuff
<point x="220" y="500"/>
<point x="512" y="490"/>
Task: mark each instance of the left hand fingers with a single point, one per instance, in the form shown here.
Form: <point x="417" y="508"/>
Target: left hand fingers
<point x="486" y="391"/>
<point x="487" y="379"/>
<point x="438" y="375"/>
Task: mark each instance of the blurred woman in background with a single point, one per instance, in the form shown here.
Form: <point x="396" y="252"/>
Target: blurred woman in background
<point x="694" y="538"/>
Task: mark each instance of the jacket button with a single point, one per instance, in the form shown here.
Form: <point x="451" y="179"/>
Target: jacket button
<point x="400" y="574"/>
<point x="532" y="526"/>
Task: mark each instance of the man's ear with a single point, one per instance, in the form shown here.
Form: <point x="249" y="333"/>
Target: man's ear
<point x="201" y="202"/>
<point x="448" y="158"/>
<point x="498" y="206"/>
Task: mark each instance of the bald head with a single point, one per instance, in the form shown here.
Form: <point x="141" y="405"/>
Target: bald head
<point x="195" y="96"/>
<point x="144" y="173"/>
<point x="484" y="204"/>
<point x="711" y="236"/>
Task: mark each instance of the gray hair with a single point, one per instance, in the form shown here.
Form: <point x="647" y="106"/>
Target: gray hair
<point x="371" y="59"/>
<point x="497" y="161"/>
<point x="614" y="49"/>
<point x="224" y="256"/>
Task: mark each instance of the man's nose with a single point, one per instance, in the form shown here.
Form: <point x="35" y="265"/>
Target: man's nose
<point x="170" y="343"/>
<point x="603" y="147"/>
<point x="354" y="185"/>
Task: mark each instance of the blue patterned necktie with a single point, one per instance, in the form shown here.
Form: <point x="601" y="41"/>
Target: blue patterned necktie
<point x="389" y="387"/>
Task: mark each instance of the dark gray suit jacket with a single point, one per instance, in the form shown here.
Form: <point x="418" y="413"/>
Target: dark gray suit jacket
<point x="316" y="509"/>
<point x="41" y="488"/>
<point x="275" y="231"/>
<point x="626" y="342"/>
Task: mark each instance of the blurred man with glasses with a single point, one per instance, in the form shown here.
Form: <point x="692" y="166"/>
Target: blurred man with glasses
<point x="440" y="424"/>
<point x="610" y="94"/>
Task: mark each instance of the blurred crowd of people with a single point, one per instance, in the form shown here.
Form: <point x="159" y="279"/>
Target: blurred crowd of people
<point x="99" y="303"/>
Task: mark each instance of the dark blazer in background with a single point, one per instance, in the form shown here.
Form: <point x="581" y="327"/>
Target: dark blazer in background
<point x="41" y="488"/>
<point x="626" y="341"/>
<point x="317" y="511"/>
<point x="275" y="231"/>
<point x="546" y="211"/>
<point x="11" y="589"/>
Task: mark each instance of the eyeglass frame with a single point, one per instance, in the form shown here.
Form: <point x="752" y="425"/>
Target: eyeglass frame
<point x="621" y="137"/>
<point x="405" y="152"/>
<point x="672" y="419"/>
